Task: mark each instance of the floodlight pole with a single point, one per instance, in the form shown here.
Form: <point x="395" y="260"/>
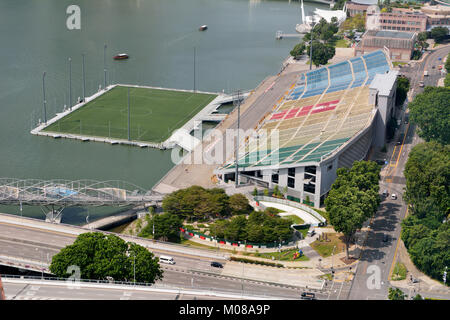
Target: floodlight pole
<point x="194" y="68"/>
<point x="45" y="102"/>
<point x="70" y="83"/>
<point x="237" y="138"/>
<point x="104" y="64"/>
<point x="84" y="79"/>
<point x="129" y="138"/>
<point x="310" y="47"/>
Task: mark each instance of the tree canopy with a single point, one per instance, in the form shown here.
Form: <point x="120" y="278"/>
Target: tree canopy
<point x="353" y="198"/>
<point x="426" y="231"/>
<point x="261" y="226"/>
<point x="430" y="110"/>
<point x="100" y="256"/>
<point x="167" y="226"/>
<point x="402" y="90"/>
<point x="439" y="34"/>
<point x="321" y="53"/>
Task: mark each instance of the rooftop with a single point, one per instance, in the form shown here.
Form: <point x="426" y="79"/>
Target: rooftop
<point x="384" y="83"/>
<point x="390" y="34"/>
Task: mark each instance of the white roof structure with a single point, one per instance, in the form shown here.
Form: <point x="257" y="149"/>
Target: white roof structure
<point x="341" y="15"/>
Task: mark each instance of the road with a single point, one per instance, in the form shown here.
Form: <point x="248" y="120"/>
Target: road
<point x="188" y="272"/>
<point x="31" y="291"/>
<point x="378" y="257"/>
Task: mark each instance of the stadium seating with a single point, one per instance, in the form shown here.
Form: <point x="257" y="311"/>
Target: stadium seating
<point x="322" y="111"/>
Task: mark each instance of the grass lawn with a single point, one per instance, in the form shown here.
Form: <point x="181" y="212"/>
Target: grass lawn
<point x="399" y="272"/>
<point x="397" y="63"/>
<point x="294" y="219"/>
<point x="282" y="256"/>
<point x="342" y="43"/>
<point x="154" y="114"/>
<point x="325" y="248"/>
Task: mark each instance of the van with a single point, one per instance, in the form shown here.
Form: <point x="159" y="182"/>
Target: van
<point x="166" y="259"/>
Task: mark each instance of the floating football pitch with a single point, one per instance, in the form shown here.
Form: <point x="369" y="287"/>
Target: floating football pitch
<point x="154" y="114"/>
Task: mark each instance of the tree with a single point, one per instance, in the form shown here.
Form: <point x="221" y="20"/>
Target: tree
<point x="447" y="80"/>
<point x="298" y="50"/>
<point x="430" y="110"/>
<point x="426" y="231"/>
<point x="321" y="53"/>
<point x="402" y="90"/>
<point x="417" y="297"/>
<point x="197" y="203"/>
<point x="99" y="256"/>
<point x="166" y="225"/>
<point x="439" y="34"/>
<point x="239" y="204"/>
<point x="422" y="40"/>
<point x="353" y="198"/>
<point x="447" y="64"/>
<point x="396" y="294"/>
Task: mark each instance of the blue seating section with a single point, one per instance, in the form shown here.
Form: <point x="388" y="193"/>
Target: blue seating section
<point x="376" y="63"/>
<point x="340" y="76"/>
<point x="359" y="70"/>
<point x="316" y="82"/>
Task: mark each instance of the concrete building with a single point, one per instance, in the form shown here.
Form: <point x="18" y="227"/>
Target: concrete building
<point x="330" y="118"/>
<point x="403" y="21"/>
<point x="437" y="16"/>
<point x="400" y="44"/>
<point x="354" y="8"/>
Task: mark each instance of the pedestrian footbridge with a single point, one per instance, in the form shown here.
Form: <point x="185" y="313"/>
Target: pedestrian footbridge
<point x="60" y="194"/>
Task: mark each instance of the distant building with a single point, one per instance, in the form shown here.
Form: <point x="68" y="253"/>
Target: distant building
<point x="354" y="8"/>
<point x="437" y="16"/>
<point x="399" y="19"/>
<point x="400" y="44"/>
<point x="403" y="21"/>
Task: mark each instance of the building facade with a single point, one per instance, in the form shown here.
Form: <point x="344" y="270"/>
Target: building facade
<point x="400" y="44"/>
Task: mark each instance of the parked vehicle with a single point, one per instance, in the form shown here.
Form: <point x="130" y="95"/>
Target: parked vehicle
<point x="425" y="73"/>
<point x="385" y="193"/>
<point x="393" y="196"/>
<point x="385" y="238"/>
<point x="311" y="232"/>
<point x="421" y="84"/>
<point x="166" y="259"/>
<point x="216" y="264"/>
<point x="308" y="296"/>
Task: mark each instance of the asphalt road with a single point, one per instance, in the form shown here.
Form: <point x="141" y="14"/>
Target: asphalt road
<point x="30" y="291"/>
<point x="188" y="272"/>
<point x="377" y="257"/>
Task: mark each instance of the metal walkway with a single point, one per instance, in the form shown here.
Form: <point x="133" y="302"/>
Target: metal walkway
<point x="73" y="193"/>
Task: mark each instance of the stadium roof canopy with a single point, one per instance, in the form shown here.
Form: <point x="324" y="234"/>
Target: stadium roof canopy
<point x="320" y="113"/>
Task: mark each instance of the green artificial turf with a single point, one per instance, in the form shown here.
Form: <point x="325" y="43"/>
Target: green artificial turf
<point x="154" y="114"/>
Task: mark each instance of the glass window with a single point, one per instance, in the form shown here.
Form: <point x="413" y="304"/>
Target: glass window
<point x="291" y="182"/>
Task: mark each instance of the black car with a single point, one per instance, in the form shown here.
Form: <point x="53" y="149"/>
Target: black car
<point x="216" y="264"/>
<point x="308" y="296"/>
<point x="385" y="238"/>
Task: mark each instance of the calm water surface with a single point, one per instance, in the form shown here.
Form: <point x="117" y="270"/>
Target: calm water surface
<point x="237" y="52"/>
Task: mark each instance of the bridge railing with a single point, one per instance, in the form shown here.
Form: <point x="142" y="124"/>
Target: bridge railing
<point x="193" y="288"/>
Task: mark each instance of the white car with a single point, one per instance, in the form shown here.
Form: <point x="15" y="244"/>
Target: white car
<point x="393" y="196"/>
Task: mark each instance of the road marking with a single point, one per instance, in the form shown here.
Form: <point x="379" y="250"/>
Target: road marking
<point x="395" y="253"/>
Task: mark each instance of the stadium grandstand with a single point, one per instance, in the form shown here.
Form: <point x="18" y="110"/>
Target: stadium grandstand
<point x="328" y="119"/>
